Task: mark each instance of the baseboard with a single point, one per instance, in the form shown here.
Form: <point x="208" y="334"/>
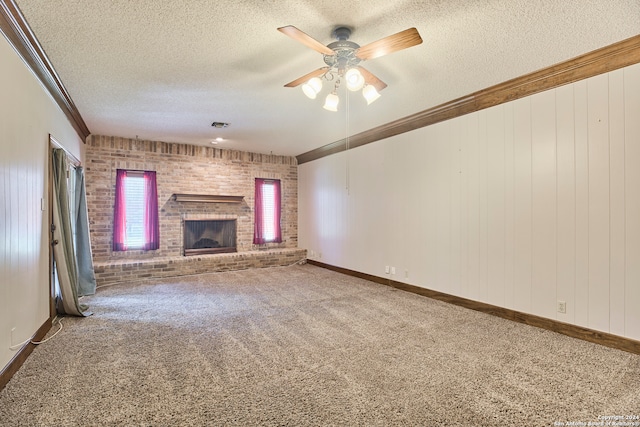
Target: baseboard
<point x="574" y="331"/>
<point x="23" y="353"/>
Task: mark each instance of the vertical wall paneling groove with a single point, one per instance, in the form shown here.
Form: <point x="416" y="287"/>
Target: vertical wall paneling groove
<point x="522" y="204"/>
<point x="430" y="210"/>
<point x="581" y="141"/>
<point x="5" y="332"/>
<point x="455" y="186"/>
<point x="416" y="205"/>
<point x="509" y="205"/>
<point x="473" y="183"/>
<point x="14" y="259"/>
<point x="616" y="202"/>
<point x="632" y="200"/>
<point x="566" y="201"/>
<point x="464" y="204"/>
<point x="598" y="129"/>
<point x="543" y="174"/>
<point x="394" y="221"/>
<point x="443" y="196"/>
<point x="495" y="206"/>
<point x="482" y="197"/>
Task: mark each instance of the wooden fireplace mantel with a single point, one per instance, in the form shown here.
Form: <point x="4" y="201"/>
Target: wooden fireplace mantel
<point x="207" y="198"/>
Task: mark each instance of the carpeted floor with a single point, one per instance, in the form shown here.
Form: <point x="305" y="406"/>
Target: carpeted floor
<point x="302" y="345"/>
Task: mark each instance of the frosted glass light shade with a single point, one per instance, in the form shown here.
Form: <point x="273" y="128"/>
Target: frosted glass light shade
<point x="354" y="79"/>
<point x="331" y="102"/>
<point x="370" y="94"/>
<point x="312" y="87"/>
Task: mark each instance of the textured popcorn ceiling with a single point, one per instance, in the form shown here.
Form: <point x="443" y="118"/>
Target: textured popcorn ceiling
<point x="164" y="70"/>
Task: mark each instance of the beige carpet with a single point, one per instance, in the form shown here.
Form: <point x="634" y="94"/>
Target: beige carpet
<point x="302" y="345"/>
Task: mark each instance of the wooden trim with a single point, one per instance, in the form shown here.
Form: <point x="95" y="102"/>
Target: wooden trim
<point x="50" y="185"/>
<point x="15" y="28"/>
<point x="606" y="59"/>
<point x="207" y="198"/>
<point x="22" y="354"/>
<point x="72" y="159"/>
<point x="574" y="331"/>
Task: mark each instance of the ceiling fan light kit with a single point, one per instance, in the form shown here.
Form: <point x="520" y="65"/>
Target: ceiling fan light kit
<point x="354" y="79"/>
<point x="312" y="87"/>
<point x="331" y="102"/>
<point x="370" y="94"/>
<point x="342" y="58"/>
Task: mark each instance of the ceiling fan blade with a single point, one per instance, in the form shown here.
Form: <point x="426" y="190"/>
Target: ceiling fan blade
<point x="305" y="39"/>
<point x="389" y="44"/>
<point x="372" y="80"/>
<point x="306" y="77"/>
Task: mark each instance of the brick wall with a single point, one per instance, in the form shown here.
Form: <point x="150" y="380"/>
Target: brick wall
<point x="182" y="168"/>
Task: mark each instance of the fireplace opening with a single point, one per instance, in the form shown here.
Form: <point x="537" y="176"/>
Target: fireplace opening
<point x="209" y="236"/>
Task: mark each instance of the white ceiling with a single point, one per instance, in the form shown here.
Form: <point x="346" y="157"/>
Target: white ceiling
<point x="165" y="70"/>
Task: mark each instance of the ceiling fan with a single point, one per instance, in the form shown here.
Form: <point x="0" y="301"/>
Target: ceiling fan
<point x="343" y="58"/>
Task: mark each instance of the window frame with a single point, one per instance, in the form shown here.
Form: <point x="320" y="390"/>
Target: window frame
<point x="150" y="218"/>
<point x="259" y="237"/>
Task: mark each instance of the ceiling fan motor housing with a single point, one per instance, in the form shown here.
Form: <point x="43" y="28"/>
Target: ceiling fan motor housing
<point x="345" y="54"/>
<point x="341" y="33"/>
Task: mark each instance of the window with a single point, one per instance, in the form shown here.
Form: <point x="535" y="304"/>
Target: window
<point x="267" y="212"/>
<point x="135" y="218"/>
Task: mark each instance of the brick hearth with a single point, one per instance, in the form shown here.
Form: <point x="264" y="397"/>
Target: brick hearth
<point x="127" y="271"/>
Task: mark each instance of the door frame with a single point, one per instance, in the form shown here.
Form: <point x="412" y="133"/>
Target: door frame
<point x="73" y="160"/>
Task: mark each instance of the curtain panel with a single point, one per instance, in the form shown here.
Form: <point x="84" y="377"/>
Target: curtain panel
<point x="86" y="274"/>
<point x="64" y="253"/>
<point x="151" y="220"/>
<point x="120" y="213"/>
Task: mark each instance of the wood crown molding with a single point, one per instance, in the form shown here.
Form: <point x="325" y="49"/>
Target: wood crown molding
<point x="574" y="331"/>
<point x="606" y="59"/>
<point x="15" y="28"/>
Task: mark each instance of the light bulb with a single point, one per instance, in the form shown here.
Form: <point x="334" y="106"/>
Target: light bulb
<point x="370" y="94"/>
<point x="312" y="87"/>
<point x="331" y="102"/>
<point x="354" y="78"/>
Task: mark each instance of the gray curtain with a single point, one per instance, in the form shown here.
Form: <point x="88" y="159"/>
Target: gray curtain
<point x="84" y="261"/>
<point x="63" y="244"/>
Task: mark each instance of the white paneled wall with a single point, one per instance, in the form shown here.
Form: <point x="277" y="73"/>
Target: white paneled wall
<point x="521" y="205"/>
<point x="27" y="116"/>
<point x="631" y="284"/>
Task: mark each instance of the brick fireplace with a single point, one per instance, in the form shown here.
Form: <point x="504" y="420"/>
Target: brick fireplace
<point x="209" y="236"/>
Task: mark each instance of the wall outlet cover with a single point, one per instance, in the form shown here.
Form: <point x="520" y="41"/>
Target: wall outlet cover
<point x="562" y="307"/>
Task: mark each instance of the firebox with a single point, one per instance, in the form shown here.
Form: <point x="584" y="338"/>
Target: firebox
<point x="209" y="236"/>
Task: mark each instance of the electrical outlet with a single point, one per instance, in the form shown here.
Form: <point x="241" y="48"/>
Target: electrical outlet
<point x="393" y="270"/>
<point x="386" y="269"/>
<point x="406" y="274"/>
<point x="562" y="307"/>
